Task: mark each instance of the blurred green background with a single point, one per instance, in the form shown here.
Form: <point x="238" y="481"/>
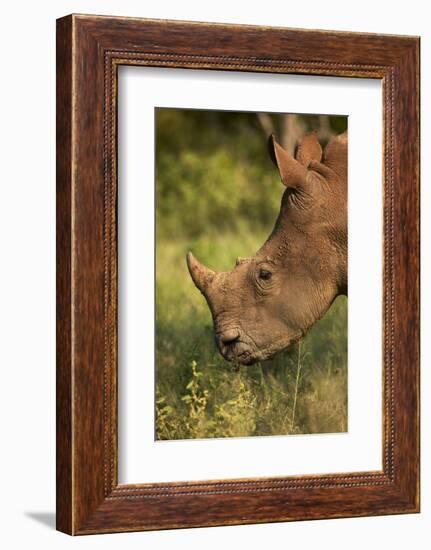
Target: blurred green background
<point x="218" y="194"/>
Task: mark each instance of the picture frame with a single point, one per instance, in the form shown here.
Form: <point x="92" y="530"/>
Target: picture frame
<point x="89" y="51"/>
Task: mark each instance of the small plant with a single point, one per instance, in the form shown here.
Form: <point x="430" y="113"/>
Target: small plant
<point x="167" y="425"/>
<point x="236" y="417"/>
<point x="298" y="377"/>
<point x="196" y="400"/>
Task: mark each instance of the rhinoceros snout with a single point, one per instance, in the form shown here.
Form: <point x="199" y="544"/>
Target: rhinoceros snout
<point x="229" y="337"/>
<point x="234" y="346"/>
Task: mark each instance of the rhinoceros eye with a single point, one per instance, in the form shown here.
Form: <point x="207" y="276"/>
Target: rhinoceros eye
<point x="265" y="274"/>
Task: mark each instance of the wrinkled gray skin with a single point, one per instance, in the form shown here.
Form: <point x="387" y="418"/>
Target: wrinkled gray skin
<point x="271" y="300"/>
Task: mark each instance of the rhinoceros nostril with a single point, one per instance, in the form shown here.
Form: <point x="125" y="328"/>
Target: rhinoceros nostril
<point x="229" y="337"/>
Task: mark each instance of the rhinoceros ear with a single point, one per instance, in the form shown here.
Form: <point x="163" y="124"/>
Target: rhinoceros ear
<point x="293" y="174"/>
<point x="309" y="149"/>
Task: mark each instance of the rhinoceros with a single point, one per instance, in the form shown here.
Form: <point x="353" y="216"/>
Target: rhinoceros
<point x="271" y="300"/>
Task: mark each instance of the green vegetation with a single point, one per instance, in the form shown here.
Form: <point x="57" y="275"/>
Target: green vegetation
<point x="218" y="195"/>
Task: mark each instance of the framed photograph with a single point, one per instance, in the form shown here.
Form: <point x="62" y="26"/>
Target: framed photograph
<point x="221" y="189"/>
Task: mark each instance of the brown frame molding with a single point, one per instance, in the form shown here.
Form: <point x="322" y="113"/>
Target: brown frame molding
<point x="89" y="51"/>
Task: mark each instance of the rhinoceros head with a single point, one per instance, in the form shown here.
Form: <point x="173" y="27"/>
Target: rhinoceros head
<point x="269" y="301"/>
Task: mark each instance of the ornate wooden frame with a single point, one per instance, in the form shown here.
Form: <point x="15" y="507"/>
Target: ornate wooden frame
<point x="89" y="51"/>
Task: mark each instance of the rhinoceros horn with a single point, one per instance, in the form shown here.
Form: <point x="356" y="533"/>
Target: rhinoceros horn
<point x="201" y="275"/>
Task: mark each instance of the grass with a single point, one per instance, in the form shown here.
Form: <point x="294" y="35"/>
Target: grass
<point x="199" y="395"/>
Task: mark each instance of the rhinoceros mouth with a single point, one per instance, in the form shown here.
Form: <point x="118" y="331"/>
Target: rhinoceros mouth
<point x="248" y="357"/>
<point x="243" y="358"/>
<point x="246" y="352"/>
<point x="241" y="352"/>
